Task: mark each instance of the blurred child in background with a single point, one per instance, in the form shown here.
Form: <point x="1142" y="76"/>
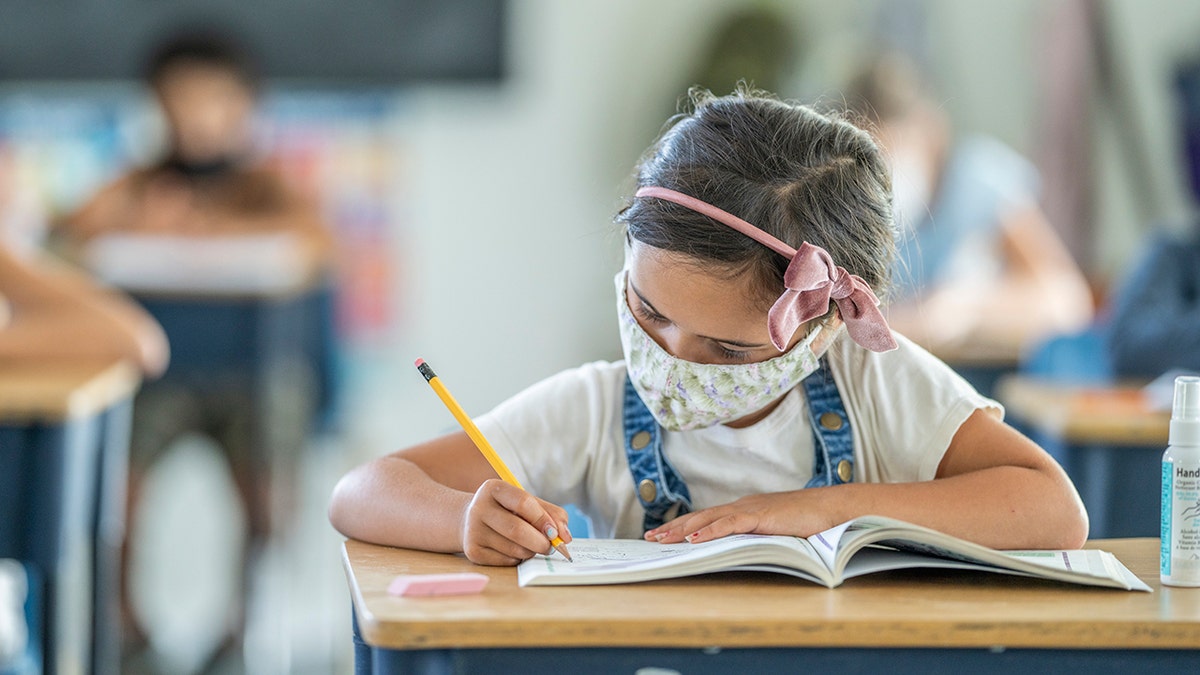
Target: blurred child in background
<point x="208" y="181"/>
<point x="979" y="263"/>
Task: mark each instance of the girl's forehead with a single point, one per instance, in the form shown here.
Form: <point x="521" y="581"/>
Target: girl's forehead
<point x="697" y="296"/>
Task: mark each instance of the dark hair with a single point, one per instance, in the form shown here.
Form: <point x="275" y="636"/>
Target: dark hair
<point x="202" y="46"/>
<point x="796" y="173"/>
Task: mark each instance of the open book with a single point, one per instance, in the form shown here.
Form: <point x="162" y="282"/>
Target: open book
<point x="860" y="546"/>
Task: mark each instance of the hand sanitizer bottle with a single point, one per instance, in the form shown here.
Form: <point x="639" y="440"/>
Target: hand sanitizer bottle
<point x="1180" y="553"/>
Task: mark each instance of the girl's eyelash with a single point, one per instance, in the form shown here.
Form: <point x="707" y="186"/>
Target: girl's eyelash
<point x="733" y="354"/>
<point x="648" y="315"/>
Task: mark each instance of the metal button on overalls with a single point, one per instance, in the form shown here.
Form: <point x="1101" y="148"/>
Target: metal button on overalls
<point x="845" y="470"/>
<point x="640" y="440"/>
<point x="831" y="421"/>
<point x="647" y="490"/>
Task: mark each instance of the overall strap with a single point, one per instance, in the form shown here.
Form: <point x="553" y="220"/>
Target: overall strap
<point x="659" y="487"/>
<point x="833" y="452"/>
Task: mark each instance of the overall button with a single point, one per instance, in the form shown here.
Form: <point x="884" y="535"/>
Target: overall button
<point x="640" y="440"/>
<point x="647" y="490"/>
<point x="831" y="421"/>
<point x="845" y="470"/>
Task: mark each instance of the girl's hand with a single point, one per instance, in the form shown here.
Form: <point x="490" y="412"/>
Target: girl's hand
<point x="797" y="513"/>
<point x="503" y="525"/>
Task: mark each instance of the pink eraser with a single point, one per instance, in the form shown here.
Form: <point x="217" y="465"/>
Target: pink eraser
<point x="462" y="583"/>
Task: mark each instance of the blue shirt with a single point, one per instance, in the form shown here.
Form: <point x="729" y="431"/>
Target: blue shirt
<point x="1156" y="315"/>
<point x="960" y="235"/>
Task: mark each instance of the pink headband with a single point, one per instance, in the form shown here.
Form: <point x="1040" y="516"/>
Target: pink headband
<point x="810" y="282"/>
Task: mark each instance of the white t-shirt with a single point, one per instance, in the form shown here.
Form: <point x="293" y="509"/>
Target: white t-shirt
<point x="564" y="436"/>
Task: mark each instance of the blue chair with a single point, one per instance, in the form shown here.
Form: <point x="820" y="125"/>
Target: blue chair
<point x="578" y="522"/>
<point x="1074" y="358"/>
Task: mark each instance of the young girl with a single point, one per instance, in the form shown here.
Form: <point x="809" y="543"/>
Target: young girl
<point x="761" y="390"/>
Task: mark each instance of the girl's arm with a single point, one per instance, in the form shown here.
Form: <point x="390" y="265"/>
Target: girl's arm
<point x="59" y="313"/>
<point x="443" y="496"/>
<point x="994" y="486"/>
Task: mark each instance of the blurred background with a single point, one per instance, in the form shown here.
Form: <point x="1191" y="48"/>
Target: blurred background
<point x="469" y="157"/>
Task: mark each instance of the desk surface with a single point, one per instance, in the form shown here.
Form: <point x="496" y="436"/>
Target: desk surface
<point x="921" y="608"/>
<point x="1116" y="415"/>
<point x="58" y="390"/>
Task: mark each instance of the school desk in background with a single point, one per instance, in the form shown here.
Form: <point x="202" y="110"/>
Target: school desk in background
<point x="63" y="441"/>
<point x="249" y="313"/>
<point x="236" y="304"/>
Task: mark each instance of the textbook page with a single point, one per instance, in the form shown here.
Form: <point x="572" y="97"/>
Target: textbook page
<point x="849" y="550"/>
<point x="602" y="561"/>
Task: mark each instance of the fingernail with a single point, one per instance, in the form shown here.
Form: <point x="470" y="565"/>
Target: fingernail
<point x="692" y="536"/>
<point x="551" y="532"/>
<point x="660" y="536"/>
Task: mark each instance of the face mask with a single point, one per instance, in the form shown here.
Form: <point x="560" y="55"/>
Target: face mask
<point x="683" y="395"/>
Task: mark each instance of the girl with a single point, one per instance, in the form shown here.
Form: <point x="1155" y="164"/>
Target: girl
<point x="761" y="390"/>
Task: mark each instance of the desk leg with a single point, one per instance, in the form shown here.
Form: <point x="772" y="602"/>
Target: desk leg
<point x="362" y="651"/>
<point x="57" y="519"/>
<point x="108" y="529"/>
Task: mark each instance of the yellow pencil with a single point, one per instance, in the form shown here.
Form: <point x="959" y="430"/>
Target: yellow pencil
<point x="477" y="437"/>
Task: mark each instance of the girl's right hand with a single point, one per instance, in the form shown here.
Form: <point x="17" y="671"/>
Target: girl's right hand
<point x="503" y="525"/>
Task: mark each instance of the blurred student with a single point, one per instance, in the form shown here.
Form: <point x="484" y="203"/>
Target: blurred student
<point x="209" y="184"/>
<point x="1155" y="324"/>
<point x="979" y="263"/>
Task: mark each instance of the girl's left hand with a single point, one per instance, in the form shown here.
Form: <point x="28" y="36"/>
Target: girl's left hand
<point x="797" y="513"/>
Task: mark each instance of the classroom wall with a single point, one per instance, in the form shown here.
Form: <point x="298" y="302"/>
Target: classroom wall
<point x="510" y="248"/>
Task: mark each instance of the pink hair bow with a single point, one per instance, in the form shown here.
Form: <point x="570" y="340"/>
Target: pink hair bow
<point x="810" y="282"/>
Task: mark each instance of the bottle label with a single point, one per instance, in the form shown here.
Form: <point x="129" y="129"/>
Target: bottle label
<point x="1164" y="556"/>
<point x="1181" y="521"/>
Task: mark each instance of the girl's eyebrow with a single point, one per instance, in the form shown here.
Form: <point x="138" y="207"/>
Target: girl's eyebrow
<point x="735" y="343"/>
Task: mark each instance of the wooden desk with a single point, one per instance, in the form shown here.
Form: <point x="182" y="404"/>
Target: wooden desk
<point x="767" y="623"/>
<point x="63" y="452"/>
<point x="1112" y="415"/>
<point x="1107" y="439"/>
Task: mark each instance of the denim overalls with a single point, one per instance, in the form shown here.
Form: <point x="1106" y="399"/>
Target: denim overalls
<point x="663" y="493"/>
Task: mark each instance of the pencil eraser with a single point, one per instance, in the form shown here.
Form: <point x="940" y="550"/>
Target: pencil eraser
<point x="422" y="585"/>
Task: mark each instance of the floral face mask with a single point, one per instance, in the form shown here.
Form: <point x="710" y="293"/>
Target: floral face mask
<point x="683" y="395"/>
